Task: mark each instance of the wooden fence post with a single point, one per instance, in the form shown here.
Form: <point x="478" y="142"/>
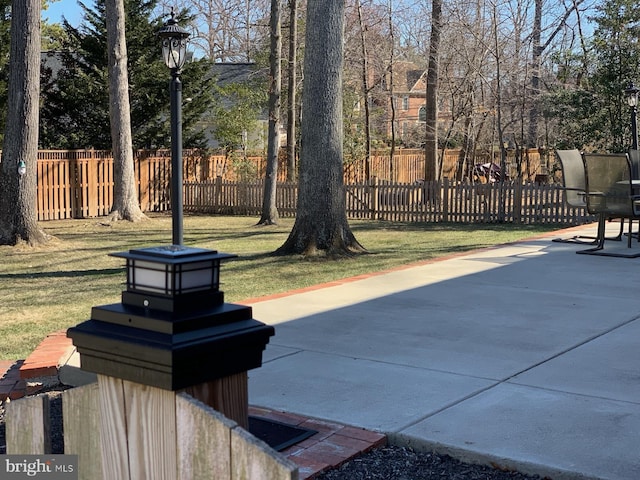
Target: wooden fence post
<point x="517" y="203"/>
<point x="92" y="187"/>
<point x="228" y="395"/>
<point x="374" y="199"/>
<point x="445" y="199"/>
<point x="218" y="194"/>
<point x="143" y="182"/>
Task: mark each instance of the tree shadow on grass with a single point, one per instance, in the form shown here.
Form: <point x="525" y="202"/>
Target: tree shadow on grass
<point x="65" y="274"/>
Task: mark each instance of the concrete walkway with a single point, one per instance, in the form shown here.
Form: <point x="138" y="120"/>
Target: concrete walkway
<point x="525" y="355"/>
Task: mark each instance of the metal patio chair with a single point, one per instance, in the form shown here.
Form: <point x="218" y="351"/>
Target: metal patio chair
<point x="574" y="183"/>
<point x="610" y="194"/>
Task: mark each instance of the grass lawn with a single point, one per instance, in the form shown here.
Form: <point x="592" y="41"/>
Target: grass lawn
<point x="53" y="287"/>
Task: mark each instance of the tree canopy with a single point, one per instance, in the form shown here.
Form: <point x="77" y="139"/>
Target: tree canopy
<point x="75" y="104"/>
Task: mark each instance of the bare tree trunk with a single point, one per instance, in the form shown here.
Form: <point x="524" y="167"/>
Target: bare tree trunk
<point x="499" y="121"/>
<point x="292" y="86"/>
<point x="538" y="49"/>
<point x="321" y="225"/>
<point x="125" y="196"/>
<point x="18" y="208"/>
<point x="365" y="91"/>
<point x="534" y="111"/>
<point x="432" y="169"/>
<point x="269" y="210"/>
<point x="392" y="150"/>
<point x="247" y="39"/>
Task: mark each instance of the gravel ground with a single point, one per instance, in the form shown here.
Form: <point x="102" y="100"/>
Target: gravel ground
<point x="400" y="463"/>
<point x="386" y="463"/>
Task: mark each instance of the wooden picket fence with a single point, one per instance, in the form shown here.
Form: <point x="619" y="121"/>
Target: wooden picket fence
<point x="417" y="202"/>
<point x="79" y="184"/>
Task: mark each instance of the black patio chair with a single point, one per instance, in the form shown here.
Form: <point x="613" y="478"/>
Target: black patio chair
<point x="610" y="194"/>
<point x="634" y="157"/>
<point x="574" y="183"/>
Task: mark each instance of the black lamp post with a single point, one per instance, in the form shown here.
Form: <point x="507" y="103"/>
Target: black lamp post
<point x="631" y="92"/>
<point x="173" y="329"/>
<point x="174" y="52"/>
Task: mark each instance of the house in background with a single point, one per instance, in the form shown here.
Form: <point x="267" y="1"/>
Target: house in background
<point x="408" y="95"/>
<point x="240" y="73"/>
<point x="243" y="73"/>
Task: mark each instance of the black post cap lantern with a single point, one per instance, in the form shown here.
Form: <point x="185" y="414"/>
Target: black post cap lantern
<point x="173" y="277"/>
<point x="172" y="329"/>
<point x="174" y="43"/>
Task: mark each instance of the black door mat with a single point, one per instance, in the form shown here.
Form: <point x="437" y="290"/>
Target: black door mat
<point x="277" y="435"/>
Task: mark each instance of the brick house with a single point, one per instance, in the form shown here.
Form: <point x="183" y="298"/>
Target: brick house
<point x="409" y="93"/>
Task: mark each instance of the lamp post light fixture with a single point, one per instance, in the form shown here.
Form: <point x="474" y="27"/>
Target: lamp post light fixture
<point x="631" y="93"/>
<point x="174" y="53"/>
<point x="172" y="329"/>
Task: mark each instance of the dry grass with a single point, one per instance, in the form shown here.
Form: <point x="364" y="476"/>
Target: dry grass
<point x="53" y="287"/>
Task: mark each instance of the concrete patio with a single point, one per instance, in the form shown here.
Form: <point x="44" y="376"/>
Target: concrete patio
<point x="524" y="355"/>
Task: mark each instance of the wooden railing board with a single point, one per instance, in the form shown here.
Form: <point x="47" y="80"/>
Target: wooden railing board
<point x="27" y="426"/>
<point x="125" y="430"/>
<point x="80" y="414"/>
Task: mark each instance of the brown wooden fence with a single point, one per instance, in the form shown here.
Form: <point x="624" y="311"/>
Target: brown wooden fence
<point x="445" y="201"/>
<point x="79" y="184"/>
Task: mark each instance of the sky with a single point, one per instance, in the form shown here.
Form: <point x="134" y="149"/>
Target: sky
<point x="69" y="9"/>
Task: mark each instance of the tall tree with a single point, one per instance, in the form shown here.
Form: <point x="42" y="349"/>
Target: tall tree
<point x="365" y="91"/>
<point x="432" y="166"/>
<point x="321" y="225"/>
<point x="269" y="209"/>
<point x="292" y="87"/>
<point x="18" y="210"/>
<point x="125" y="196"/>
<point x="617" y="52"/>
<point x="536" y="62"/>
<point x="392" y="61"/>
<point x="5" y="45"/>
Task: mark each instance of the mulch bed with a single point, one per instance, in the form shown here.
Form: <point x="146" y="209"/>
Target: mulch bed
<point x="400" y="463"/>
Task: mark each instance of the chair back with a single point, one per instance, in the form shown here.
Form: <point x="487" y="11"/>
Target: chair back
<point x="573" y="177"/>
<point x="634" y="157"/>
<point x="609" y="187"/>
